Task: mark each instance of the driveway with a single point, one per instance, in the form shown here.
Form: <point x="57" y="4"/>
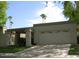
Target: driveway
<point x="45" y="51"/>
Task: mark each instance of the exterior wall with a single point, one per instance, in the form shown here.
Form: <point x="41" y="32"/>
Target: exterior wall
<point x="4" y="39"/>
<point x="12" y="38"/>
<point x="15" y="39"/>
<point x="62" y="33"/>
<point x="28" y="37"/>
<point x="59" y="33"/>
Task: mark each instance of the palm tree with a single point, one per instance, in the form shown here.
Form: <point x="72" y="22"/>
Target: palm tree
<point x="10" y="20"/>
<point x="43" y="16"/>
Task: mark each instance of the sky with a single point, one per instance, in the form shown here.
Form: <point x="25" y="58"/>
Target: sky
<point x="27" y="13"/>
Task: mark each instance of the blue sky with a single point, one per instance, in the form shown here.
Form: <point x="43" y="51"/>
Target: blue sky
<point x="27" y="13"/>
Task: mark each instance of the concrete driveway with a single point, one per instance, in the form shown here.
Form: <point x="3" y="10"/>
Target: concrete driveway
<point x="44" y="51"/>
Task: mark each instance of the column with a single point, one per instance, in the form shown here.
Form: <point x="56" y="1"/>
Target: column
<point x="28" y="37"/>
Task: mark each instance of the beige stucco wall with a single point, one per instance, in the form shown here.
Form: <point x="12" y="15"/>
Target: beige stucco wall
<point x="64" y="33"/>
<point x="28" y="37"/>
<point x="4" y="39"/>
<point x="11" y="38"/>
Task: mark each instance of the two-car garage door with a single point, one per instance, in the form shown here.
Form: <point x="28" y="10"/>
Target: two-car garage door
<point x="55" y="33"/>
<point x="54" y="37"/>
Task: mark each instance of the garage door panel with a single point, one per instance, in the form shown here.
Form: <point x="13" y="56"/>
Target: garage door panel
<point x="54" y="38"/>
<point x="63" y="37"/>
<point x="46" y="38"/>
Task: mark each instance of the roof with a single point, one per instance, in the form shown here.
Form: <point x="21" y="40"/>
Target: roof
<point x="53" y="23"/>
<point x="19" y="29"/>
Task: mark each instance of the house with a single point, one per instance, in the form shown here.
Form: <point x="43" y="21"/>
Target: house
<point x="42" y="34"/>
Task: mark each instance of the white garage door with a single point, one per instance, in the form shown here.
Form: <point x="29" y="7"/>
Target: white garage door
<point x="54" y="37"/>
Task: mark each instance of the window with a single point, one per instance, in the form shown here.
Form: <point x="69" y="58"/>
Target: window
<point x="57" y="31"/>
<point x="42" y="32"/>
<point x="46" y="32"/>
<point x="65" y="30"/>
<point x="22" y="35"/>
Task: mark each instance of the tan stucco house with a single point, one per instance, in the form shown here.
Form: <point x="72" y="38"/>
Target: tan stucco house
<point x="42" y="34"/>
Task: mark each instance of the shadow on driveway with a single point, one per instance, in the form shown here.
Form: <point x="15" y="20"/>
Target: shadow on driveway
<point x="43" y="51"/>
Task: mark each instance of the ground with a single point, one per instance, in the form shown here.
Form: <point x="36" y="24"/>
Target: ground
<point x="42" y="51"/>
<point x="12" y="49"/>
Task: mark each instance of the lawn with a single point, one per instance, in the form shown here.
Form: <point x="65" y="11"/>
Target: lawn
<point x="11" y="49"/>
<point x="74" y="50"/>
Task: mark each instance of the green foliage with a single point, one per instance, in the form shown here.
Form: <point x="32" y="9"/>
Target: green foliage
<point x="12" y="49"/>
<point x="3" y="9"/>
<point x="68" y="9"/>
<point x="10" y="17"/>
<point x="77" y="12"/>
<point x="74" y="49"/>
<point x="10" y="20"/>
<point x="71" y="11"/>
<point x="43" y="16"/>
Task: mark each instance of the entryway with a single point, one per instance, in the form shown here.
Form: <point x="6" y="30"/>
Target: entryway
<point x="21" y="39"/>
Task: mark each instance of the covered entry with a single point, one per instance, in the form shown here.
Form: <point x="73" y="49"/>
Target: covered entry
<point x="21" y="39"/>
<point x="22" y="36"/>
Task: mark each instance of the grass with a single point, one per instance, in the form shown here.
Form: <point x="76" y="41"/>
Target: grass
<point x="12" y="49"/>
<point x="74" y="50"/>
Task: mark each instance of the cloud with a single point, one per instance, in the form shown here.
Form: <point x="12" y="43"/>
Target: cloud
<point x="33" y="21"/>
<point x="53" y="13"/>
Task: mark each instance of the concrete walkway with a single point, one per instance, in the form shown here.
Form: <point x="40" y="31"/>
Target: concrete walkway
<point x="43" y="51"/>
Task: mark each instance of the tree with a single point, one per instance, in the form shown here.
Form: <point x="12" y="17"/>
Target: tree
<point x="43" y="16"/>
<point x="3" y="16"/>
<point x="68" y="9"/>
<point x="10" y="20"/>
<point x="71" y="11"/>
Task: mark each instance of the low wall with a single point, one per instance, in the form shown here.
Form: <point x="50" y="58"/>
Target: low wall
<point x="4" y="39"/>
